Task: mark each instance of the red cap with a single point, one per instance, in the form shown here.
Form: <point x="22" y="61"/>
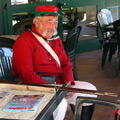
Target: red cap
<point x="46" y="10"/>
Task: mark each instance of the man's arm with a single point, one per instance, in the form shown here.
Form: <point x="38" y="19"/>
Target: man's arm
<point x="67" y="74"/>
<point x="23" y="61"/>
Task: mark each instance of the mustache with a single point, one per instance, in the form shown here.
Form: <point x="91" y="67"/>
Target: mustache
<point x="49" y="30"/>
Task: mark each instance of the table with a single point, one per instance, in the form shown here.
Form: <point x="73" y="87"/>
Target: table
<point x="44" y="110"/>
<point x="109" y="28"/>
<point x="93" y="24"/>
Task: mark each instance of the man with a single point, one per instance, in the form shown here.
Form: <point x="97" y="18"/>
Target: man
<point x="32" y="62"/>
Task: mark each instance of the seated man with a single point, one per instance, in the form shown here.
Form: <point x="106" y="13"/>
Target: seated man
<point x="33" y="62"/>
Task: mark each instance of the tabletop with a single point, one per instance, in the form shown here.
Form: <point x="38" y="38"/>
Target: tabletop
<point x="45" y="108"/>
<point x="109" y="28"/>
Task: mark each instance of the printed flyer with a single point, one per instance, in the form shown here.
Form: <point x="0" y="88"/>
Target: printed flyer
<point x="24" y="103"/>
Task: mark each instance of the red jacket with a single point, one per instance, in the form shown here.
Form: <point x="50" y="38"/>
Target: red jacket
<point x="30" y="58"/>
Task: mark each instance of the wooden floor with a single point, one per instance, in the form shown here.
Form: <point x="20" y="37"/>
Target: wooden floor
<point x="89" y="69"/>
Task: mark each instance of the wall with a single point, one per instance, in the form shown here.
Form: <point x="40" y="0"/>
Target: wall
<point x="92" y="44"/>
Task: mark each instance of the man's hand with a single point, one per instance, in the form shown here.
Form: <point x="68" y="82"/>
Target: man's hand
<point x="69" y="94"/>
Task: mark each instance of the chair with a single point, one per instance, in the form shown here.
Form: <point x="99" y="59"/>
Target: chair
<point x="116" y="25"/>
<point x="6" y="59"/>
<point x="109" y="41"/>
<point x="70" y="46"/>
<point x="6" y="68"/>
<point x="100" y="101"/>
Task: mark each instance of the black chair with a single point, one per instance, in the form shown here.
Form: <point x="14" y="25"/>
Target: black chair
<point x="6" y="68"/>
<point x="109" y="41"/>
<point x="116" y="25"/>
<point x="70" y="46"/>
<point x="6" y="59"/>
<point x="99" y="101"/>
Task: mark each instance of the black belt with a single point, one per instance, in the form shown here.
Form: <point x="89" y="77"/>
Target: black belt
<point x="50" y="79"/>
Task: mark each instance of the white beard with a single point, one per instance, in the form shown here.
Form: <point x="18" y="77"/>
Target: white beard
<point x="54" y="32"/>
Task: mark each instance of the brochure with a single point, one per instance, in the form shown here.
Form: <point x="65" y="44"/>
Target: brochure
<point x="24" y="103"/>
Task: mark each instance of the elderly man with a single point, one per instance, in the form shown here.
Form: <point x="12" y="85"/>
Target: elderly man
<point x="33" y="61"/>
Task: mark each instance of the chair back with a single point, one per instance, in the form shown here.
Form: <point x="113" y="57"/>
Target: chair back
<point x="105" y="17"/>
<point x="71" y="42"/>
<point x="116" y="25"/>
<point x="6" y="59"/>
<point x="70" y="46"/>
<point x="100" y="101"/>
<point x="6" y="68"/>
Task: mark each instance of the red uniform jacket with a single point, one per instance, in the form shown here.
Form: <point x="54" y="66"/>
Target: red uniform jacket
<point x="30" y="58"/>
